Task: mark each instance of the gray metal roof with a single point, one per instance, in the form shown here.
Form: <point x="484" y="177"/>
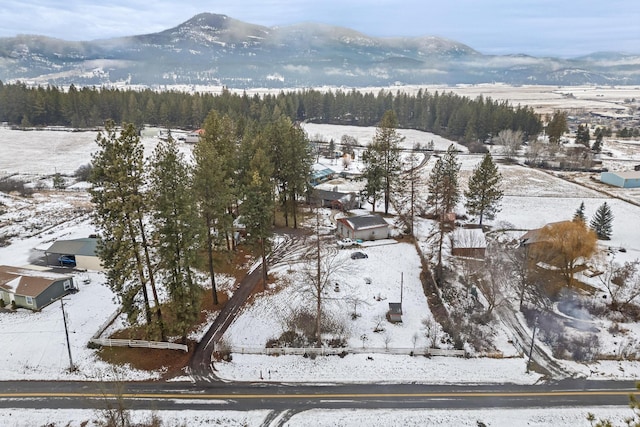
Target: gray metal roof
<point x="364" y="222"/>
<point x="87" y="247"/>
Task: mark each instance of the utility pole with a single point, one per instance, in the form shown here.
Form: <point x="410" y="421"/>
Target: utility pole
<point x="66" y="332"/>
<point x="533" y="337"/>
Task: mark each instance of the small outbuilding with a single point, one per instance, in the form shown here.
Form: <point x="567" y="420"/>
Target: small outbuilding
<point x="468" y="242"/>
<point x="363" y="227"/>
<point x="395" y="312"/>
<point x="83" y="250"/>
<point x="32" y="289"/>
<point x="626" y="179"/>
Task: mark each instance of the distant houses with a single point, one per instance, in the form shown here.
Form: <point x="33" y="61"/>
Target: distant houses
<point x="32" y="289"/>
<point x="320" y="174"/>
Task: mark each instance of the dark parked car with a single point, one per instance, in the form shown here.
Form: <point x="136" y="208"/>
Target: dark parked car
<point x="359" y="255"/>
<point x="67" y="261"/>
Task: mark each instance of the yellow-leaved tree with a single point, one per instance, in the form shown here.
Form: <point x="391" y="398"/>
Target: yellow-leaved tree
<point x="565" y="245"/>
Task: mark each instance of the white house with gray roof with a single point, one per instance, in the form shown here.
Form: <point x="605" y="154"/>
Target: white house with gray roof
<point x="363" y="227"/>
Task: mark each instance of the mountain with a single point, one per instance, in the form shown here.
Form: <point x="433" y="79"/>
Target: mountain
<point x="211" y="49"/>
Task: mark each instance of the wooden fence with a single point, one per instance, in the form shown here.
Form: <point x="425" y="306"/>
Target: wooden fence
<point x="163" y="345"/>
<point x="418" y="351"/>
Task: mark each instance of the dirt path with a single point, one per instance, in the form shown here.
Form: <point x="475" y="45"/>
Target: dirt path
<point x="201" y="366"/>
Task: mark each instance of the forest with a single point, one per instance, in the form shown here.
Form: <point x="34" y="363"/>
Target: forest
<point x="449" y="115"/>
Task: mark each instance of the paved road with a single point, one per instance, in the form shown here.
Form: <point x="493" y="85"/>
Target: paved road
<point x="282" y="397"/>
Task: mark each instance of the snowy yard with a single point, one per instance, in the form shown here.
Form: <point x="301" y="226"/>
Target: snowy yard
<point x="33" y="344"/>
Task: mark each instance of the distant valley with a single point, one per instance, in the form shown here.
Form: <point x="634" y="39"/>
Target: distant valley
<point x="212" y="49"/>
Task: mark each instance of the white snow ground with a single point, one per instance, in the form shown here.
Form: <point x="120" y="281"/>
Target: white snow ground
<point x="33" y="344"/>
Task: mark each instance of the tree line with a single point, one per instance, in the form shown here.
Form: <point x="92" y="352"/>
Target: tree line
<point x="447" y="114"/>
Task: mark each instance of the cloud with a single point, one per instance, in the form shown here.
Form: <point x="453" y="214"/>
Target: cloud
<point x="534" y="27"/>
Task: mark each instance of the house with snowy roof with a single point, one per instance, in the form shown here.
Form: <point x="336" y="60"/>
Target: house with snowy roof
<point x="363" y="227"/>
<point x="468" y="243"/>
<point x="32" y="289"/>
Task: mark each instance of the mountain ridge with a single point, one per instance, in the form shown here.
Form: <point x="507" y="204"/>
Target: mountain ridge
<point x="214" y="49"/>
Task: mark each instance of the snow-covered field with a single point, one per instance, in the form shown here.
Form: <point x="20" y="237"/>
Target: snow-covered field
<point x="531" y="417"/>
<point x="33" y="344"/>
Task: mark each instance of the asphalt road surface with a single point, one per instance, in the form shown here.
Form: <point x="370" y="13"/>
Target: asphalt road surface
<point x="275" y="396"/>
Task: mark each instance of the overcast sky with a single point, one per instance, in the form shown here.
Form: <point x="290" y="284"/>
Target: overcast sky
<point x="535" y="27"/>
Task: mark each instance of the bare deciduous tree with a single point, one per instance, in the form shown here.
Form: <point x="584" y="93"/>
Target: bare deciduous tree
<point x="622" y="282"/>
<point x="379" y="320"/>
<point x="535" y="152"/>
<point x="431" y="331"/>
<point x="496" y="276"/>
<point x="511" y="141"/>
<point x="387" y="340"/>
<point x="322" y="265"/>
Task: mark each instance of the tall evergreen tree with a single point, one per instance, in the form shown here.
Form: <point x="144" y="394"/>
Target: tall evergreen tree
<point x="557" y="126"/>
<point x="118" y="180"/>
<point x="602" y="222"/>
<point x="382" y="157"/>
<point x="373" y="176"/>
<point x="291" y="159"/>
<point x="176" y="231"/>
<point x="579" y="214"/>
<point x="213" y="185"/>
<point x="583" y="135"/>
<point x="484" y="191"/>
<point x="444" y="193"/>
<point x="408" y="192"/>
<point x="257" y="206"/>
<point x="597" y="143"/>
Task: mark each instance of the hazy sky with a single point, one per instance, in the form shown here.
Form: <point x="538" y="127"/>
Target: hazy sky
<point x="535" y="27"/>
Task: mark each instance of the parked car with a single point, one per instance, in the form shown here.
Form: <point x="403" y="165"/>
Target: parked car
<point x="67" y="261"/>
<point x="345" y="243"/>
<point x="359" y="255"/>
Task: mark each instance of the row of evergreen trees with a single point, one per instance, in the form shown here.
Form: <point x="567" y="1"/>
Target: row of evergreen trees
<point x="157" y="216"/>
<point x="453" y="116"/>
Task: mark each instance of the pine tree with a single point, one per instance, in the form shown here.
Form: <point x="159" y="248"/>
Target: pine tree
<point x="257" y="206"/>
<point x="372" y="175"/>
<point x="118" y="180"/>
<point x="176" y="229"/>
<point x="484" y="191"/>
<point x="213" y="185"/>
<point x="602" y="222"/>
<point x="597" y="143"/>
<point x="579" y="214"/>
<point x="408" y="189"/>
<point x="557" y="126"/>
<point x="444" y="193"/>
<point x="383" y="157"/>
<point x="291" y="158"/>
<point x="582" y="135"/>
